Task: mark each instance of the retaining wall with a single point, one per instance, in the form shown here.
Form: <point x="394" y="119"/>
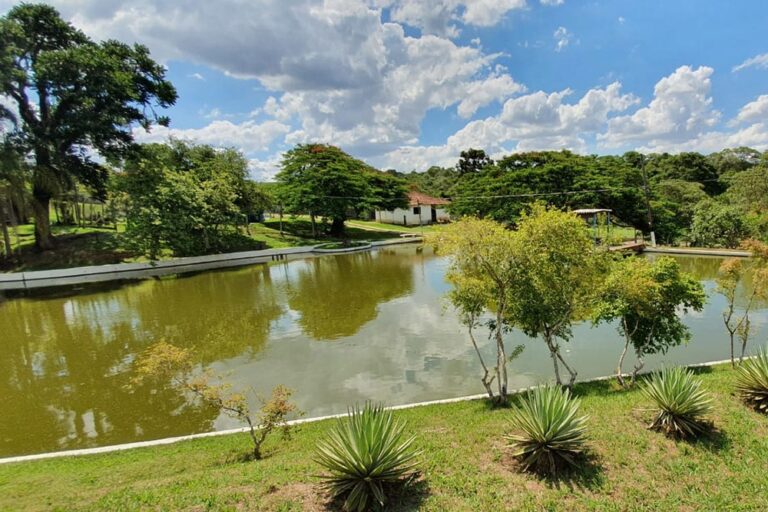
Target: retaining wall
<point x="120" y="271"/>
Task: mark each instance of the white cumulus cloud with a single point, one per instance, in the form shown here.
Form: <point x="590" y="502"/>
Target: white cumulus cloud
<point x="681" y="109"/>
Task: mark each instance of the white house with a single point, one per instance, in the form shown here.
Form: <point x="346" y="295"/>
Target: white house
<point x="422" y="209"/>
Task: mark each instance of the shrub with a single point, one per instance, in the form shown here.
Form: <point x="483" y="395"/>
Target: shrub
<point x="752" y="381"/>
<point x="551" y="431"/>
<point x="167" y="364"/>
<point x="366" y="454"/>
<point x="680" y="401"/>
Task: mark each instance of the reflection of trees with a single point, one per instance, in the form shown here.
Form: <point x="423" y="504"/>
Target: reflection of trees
<point x="65" y="362"/>
<point x="705" y="268"/>
<point x="217" y="314"/>
<point x="337" y="295"/>
<point x="62" y="387"/>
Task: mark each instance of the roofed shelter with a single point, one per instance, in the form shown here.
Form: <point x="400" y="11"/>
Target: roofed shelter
<point x="422" y="209"/>
<point x="592" y="216"/>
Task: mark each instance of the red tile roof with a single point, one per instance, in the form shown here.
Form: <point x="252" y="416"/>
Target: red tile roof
<point x="417" y="198"/>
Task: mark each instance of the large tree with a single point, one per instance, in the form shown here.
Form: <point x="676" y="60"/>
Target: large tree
<point x="323" y="180"/>
<point x="472" y="160"/>
<point x="184" y="197"/>
<point x="73" y="97"/>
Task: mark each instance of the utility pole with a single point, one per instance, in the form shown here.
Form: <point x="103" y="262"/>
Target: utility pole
<point x="648" y="205"/>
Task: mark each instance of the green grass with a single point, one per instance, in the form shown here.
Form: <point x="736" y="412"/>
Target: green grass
<point x="369" y="224"/>
<point x="465" y="465"/>
<point x="78" y="246"/>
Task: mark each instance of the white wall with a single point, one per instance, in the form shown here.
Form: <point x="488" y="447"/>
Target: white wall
<point x="406" y="217"/>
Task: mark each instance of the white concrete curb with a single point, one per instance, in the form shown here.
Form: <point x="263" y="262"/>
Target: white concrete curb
<point x="121" y="271"/>
<point x="355" y="248"/>
<point x="699" y="252"/>
<point x="171" y="440"/>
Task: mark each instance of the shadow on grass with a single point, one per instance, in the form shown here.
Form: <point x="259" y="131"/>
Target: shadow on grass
<point x="407" y="496"/>
<point x="714" y="440"/>
<point x="587" y="474"/>
<point x="700" y="370"/>
<point x="303" y="228"/>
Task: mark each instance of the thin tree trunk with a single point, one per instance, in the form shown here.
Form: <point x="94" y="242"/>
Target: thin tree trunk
<point x="502" y="355"/>
<point x="727" y="319"/>
<point x="486" y="382"/>
<point x="553" y="355"/>
<point x="745" y="333"/>
<point x="573" y="374"/>
<point x="639" y="366"/>
<point x="619" y="369"/>
<point x="14" y="224"/>
<point x="314" y="229"/>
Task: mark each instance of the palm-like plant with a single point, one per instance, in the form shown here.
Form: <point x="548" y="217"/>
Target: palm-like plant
<point x="752" y="381"/>
<point x="681" y="402"/>
<point x="365" y="453"/>
<point x="549" y="432"/>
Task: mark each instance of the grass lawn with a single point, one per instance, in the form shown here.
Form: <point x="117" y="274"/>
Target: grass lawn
<point x="465" y="466"/>
<point x="370" y="224"/>
<point x="78" y="246"/>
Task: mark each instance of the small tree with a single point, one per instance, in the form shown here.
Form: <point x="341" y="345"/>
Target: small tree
<point x="729" y="278"/>
<point x="645" y="298"/>
<point x="559" y="272"/>
<point x="167" y="363"/>
<point x="483" y="271"/>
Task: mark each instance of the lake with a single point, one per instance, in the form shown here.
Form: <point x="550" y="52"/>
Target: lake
<point x="338" y="330"/>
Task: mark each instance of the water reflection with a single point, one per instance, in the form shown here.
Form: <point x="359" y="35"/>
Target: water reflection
<point x="65" y="360"/>
<point x="335" y="296"/>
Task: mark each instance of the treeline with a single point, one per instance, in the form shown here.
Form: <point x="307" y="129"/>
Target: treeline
<point x="685" y="198"/>
<point x="67" y="135"/>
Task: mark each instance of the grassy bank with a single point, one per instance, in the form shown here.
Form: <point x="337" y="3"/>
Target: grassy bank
<point x="465" y="466"/>
<point x="81" y="246"/>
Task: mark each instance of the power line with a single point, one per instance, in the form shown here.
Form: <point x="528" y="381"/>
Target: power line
<point x="533" y="194"/>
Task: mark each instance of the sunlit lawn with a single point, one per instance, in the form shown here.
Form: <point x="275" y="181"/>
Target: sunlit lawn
<point x="80" y="246"/>
<point x="465" y="466"/>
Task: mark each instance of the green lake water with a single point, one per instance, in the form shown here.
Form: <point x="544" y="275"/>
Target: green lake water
<point x="338" y="330"/>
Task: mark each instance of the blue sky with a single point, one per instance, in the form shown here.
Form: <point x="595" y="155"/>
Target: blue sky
<point x="409" y="83"/>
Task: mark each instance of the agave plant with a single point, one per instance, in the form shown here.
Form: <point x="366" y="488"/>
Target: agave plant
<point x="549" y="432"/>
<point x="366" y="454"/>
<point x="752" y="381"/>
<point x="681" y="402"/>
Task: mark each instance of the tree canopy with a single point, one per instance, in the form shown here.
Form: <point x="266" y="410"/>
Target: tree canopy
<point x="322" y="180"/>
<point x="183" y="197"/>
<point x="73" y="97"/>
<point x="645" y="297"/>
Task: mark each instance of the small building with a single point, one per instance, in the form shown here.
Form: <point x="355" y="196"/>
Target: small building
<point x="422" y="209"/>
